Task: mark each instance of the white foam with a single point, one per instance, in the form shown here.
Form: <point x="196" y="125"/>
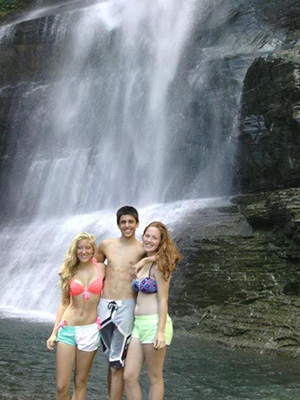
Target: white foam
<point x="32" y="253"/>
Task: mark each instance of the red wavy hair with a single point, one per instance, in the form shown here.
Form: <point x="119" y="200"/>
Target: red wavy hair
<point x="167" y="255"/>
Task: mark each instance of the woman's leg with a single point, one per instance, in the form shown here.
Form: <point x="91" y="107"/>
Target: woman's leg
<point x="155" y="361"/>
<point x="83" y="364"/>
<point x="133" y="366"/>
<point x="65" y="358"/>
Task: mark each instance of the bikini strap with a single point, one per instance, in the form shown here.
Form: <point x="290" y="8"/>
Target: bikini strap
<point x="99" y="269"/>
<point x="150" y="269"/>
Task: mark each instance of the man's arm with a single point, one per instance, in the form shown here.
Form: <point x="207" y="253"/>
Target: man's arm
<point x="100" y="255"/>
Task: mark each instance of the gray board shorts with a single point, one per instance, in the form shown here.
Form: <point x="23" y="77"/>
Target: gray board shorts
<point x="117" y="318"/>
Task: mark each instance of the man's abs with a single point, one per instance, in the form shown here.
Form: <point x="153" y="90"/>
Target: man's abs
<point x="117" y="288"/>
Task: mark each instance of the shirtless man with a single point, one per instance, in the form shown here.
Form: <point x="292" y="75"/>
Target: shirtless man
<point x="116" y="308"/>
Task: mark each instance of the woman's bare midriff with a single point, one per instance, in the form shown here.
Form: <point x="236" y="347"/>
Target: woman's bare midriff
<point x="147" y="304"/>
<point x="81" y="312"/>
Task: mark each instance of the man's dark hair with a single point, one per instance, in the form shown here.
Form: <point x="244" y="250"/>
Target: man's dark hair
<point x="127" y="210"/>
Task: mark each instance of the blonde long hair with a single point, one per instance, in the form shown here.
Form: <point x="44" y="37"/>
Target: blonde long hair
<point x="69" y="267"/>
<point x="167" y="255"/>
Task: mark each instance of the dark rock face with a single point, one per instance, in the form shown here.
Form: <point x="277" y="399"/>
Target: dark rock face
<point x="278" y="13"/>
<point x="263" y="269"/>
<point x="269" y="143"/>
<point x="28" y="53"/>
<point x="239" y="281"/>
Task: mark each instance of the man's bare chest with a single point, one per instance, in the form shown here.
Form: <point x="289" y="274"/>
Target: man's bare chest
<point x="123" y="258"/>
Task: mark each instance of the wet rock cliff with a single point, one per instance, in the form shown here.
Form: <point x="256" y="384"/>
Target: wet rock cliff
<point x="240" y="281"/>
<point x="269" y="143"/>
<point x="269" y="140"/>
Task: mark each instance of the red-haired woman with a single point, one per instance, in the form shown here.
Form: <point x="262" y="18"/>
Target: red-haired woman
<point x="152" y="326"/>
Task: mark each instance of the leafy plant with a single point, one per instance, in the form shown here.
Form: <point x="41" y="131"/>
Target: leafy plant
<point x="10" y="5"/>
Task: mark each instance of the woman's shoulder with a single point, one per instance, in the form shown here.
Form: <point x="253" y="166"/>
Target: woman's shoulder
<point x="160" y="273"/>
<point x="156" y="270"/>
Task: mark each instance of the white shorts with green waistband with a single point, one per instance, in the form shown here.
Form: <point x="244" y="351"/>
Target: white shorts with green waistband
<point x="117" y="317"/>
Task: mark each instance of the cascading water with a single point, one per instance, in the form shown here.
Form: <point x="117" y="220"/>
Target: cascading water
<point x="103" y="121"/>
<point x="124" y="112"/>
<point x="32" y="253"/>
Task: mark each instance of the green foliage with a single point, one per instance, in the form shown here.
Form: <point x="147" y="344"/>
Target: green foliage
<point x="10" y="5"/>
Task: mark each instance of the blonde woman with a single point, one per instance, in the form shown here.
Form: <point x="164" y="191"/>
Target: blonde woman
<point x="76" y="328"/>
<point x="152" y="326"/>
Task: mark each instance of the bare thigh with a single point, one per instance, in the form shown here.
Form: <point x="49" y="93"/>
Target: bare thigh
<point x="65" y="359"/>
<point x="134" y="360"/>
<point x="83" y="364"/>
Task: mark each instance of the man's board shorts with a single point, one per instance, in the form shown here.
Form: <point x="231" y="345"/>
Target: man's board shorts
<point x="146" y="326"/>
<point x="117" y="318"/>
<point x="85" y="337"/>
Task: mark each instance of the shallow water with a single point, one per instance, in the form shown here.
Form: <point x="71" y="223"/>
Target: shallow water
<point x="195" y="369"/>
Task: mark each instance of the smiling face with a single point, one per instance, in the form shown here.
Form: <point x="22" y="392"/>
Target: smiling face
<point x="84" y="251"/>
<point x="151" y="240"/>
<point x="128" y="226"/>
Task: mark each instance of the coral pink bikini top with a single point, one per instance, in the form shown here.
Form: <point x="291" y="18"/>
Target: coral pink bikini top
<point x="94" y="287"/>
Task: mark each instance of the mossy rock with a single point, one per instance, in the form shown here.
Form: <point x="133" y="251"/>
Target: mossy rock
<point x="13" y="6"/>
<point x="9" y="5"/>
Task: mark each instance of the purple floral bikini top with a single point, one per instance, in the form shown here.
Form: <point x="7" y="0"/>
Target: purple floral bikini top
<point x="145" y="285"/>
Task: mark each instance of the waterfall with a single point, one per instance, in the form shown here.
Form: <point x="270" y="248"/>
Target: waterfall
<point x="134" y="103"/>
<point x="99" y="134"/>
<point x="32" y="253"/>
